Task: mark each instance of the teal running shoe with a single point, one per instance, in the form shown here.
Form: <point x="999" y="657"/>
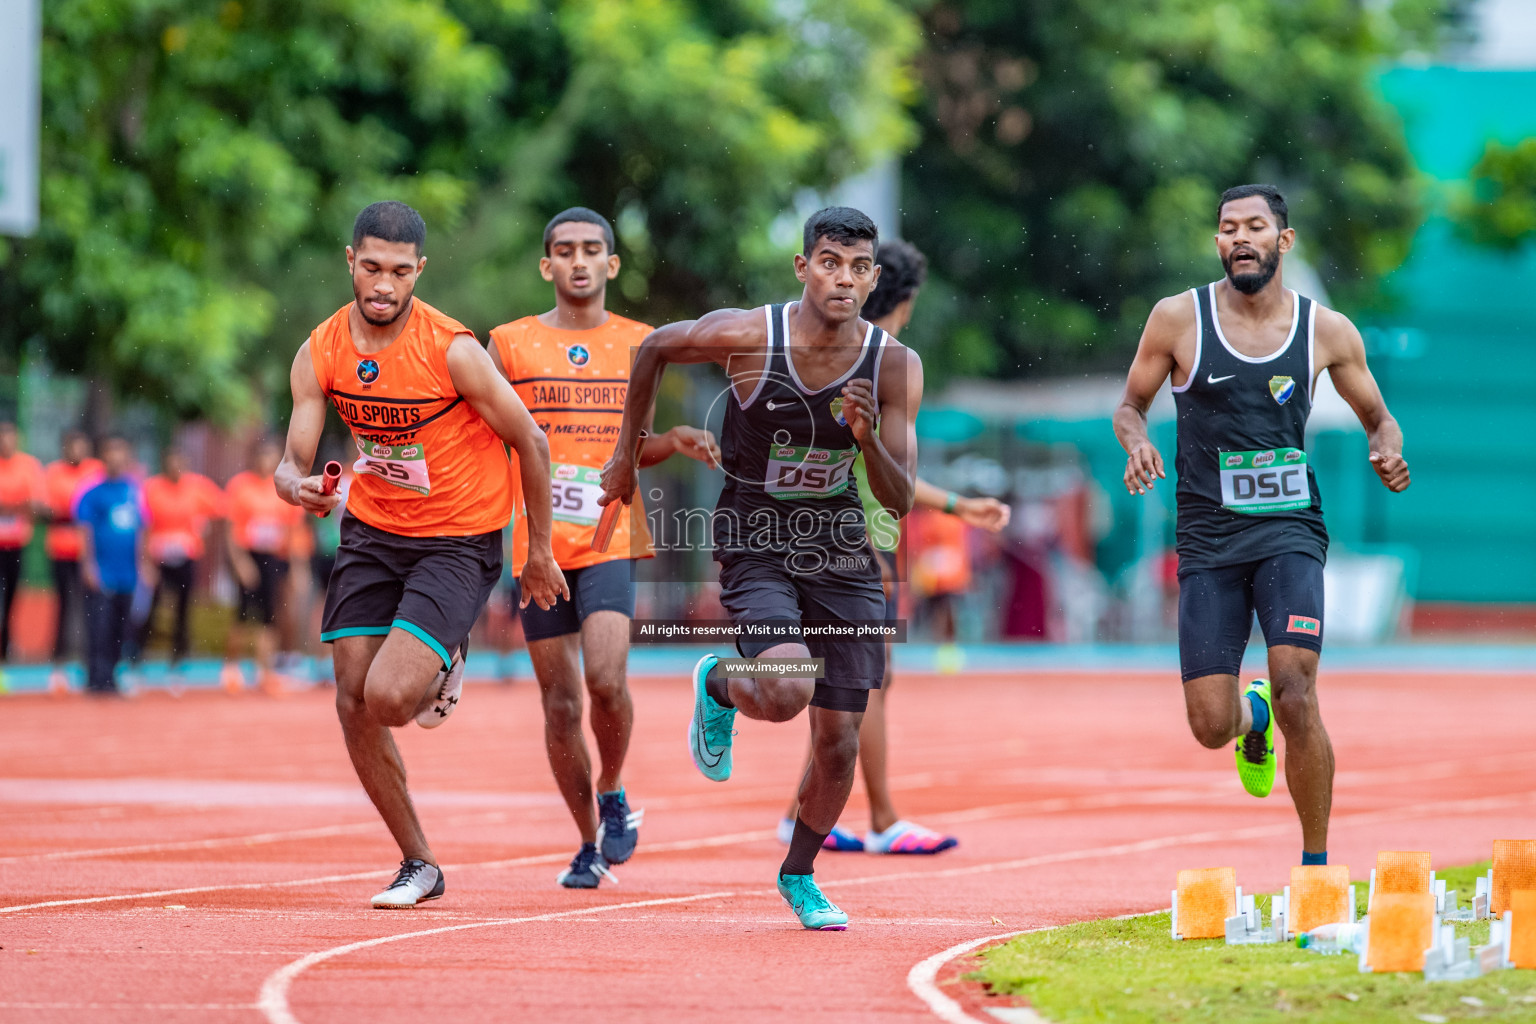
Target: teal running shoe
<point x="711" y="728"/>
<point x="1255" y="751"/>
<point x="813" y="909"/>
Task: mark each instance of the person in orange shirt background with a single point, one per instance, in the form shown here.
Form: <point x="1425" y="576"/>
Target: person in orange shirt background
<point x="570" y="366"/>
<point x="262" y="533"/>
<point x="65" y="480"/>
<point x="21" y="491"/>
<point x="182" y="505"/>
<point x="940" y="567"/>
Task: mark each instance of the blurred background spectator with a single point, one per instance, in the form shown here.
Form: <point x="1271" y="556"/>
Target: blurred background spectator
<point x="113" y="523"/>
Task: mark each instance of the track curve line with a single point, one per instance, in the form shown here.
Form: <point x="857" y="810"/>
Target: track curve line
<point x="273" y="1000"/>
<point x="923" y="978"/>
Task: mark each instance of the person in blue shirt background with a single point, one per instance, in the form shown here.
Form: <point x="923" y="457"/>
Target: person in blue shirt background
<point x="113" y="518"/>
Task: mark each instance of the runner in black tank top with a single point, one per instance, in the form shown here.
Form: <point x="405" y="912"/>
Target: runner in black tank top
<point x="809" y="382"/>
<point x="1245" y="490"/>
<point x="788" y="456"/>
<point x="1244" y="354"/>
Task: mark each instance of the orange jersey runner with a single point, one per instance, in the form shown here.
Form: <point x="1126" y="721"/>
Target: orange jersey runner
<point x="179" y="514"/>
<point x="428" y="465"/>
<point x="260" y="520"/>
<point x="574" y="383"/>
<point x="21" y="487"/>
<point x="64" y="484"/>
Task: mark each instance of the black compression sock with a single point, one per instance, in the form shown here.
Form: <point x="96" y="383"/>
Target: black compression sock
<point x="803" y="848"/>
<point x="714" y="685"/>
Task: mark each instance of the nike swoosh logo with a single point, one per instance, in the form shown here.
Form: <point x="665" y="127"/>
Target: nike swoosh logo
<point x="704" y="747"/>
<point x="772" y="406"/>
<point x="1211" y="380"/>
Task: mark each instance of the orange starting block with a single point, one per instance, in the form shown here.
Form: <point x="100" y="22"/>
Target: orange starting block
<point x="1406" y="872"/>
<point x="1204" y="900"/>
<point x="1514" y="868"/>
<point x="1318" y="895"/>
<point x="1520" y="924"/>
<point x="1400" y="932"/>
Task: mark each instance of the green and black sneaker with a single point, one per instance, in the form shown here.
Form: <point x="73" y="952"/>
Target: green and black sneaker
<point x="1255" y="751"/>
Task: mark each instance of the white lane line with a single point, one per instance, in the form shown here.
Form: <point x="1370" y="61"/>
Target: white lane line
<point x="922" y="979"/>
<point x="235" y="793"/>
<point x="1439" y="807"/>
<point x="273" y="1001"/>
<point x="512" y="862"/>
<point x="257" y="839"/>
<point x="1417" y="810"/>
<point x="129" y="1006"/>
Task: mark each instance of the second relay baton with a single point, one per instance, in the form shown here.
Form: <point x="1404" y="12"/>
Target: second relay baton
<point x="330" y="479"/>
<point x="609" y="520"/>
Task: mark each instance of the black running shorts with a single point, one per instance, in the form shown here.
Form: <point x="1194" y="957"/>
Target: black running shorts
<point x="431" y="587"/>
<point x="758" y="588"/>
<point x="892" y="585"/>
<point x="1216" y="609"/>
<point x="604" y="587"/>
<point x="259" y="604"/>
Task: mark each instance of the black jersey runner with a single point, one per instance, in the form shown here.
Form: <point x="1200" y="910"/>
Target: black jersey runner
<point x="789" y="528"/>
<point x="1245" y="490"/>
<point x="788" y="455"/>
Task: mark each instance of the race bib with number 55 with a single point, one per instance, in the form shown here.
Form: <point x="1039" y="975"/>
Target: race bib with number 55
<point x="573" y="491"/>
<point x="1257" y="483"/>
<point x="404" y="465"/>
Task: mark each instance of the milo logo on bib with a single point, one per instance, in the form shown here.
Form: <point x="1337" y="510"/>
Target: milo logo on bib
<point x="573" y="493"/>
<point x="1256" y="483"/>
<point x="803" y="472"/>
<point x="404" y="465"/>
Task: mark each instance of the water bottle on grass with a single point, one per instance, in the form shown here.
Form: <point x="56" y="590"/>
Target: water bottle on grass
<point x="1333" y="938"/>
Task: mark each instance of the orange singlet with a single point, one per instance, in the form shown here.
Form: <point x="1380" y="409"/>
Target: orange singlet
<point x="428" y="465"/>
<point x="574" y="383"/>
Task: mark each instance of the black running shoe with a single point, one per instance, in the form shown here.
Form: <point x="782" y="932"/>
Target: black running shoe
<point x="587" y="869"/>
<point x="618" y="827"/>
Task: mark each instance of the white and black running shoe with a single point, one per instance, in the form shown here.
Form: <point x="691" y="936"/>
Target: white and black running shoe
<point x="449" y="685"/>
<point x="587" y="869"/>
<point x="618" y="828"/>
<point x="416" y="883"/>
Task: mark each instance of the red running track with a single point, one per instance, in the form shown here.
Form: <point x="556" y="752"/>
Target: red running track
<point x="210" y="859"/>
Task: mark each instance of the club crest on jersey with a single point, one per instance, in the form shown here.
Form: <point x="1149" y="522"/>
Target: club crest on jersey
<point x="1282" y="388"/>
<point x="577" y="355"/>
<point x="836" y="409"/>
<point x="367" y="370"/>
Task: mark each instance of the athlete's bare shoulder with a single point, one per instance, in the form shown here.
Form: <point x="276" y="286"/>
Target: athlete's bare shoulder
<point x="1336" y="338"/>
<point x="736" y="329"/>
<point x="897" y="358"/>
<point x="1171" y="322"/>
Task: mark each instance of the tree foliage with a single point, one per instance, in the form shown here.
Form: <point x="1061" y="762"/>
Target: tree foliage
<point x="1499" y="208"/>
<point x="203" y="161"/>
<point x="1071" y="155"/>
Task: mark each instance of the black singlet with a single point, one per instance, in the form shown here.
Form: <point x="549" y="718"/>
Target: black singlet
<point x="1245" y="490"/>
<point x="788" y="454"/>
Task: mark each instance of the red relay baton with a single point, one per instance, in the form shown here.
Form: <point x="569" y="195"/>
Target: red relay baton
<point x="331" y="477"/>
<point x="609" y="521"/>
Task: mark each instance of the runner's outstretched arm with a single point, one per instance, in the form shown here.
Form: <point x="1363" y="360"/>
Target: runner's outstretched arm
<point x="475" y="377"/>
<point x="1153" y="363"/>
<point x="888" y="436"/>
<point x="713" y="338"/>
<point x="1345" y="361"/>
<point x="293" y="481"/>
<point x="984" y="513"/>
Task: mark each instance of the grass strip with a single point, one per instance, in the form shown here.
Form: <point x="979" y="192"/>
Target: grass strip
<point x="1131" y="970"/>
